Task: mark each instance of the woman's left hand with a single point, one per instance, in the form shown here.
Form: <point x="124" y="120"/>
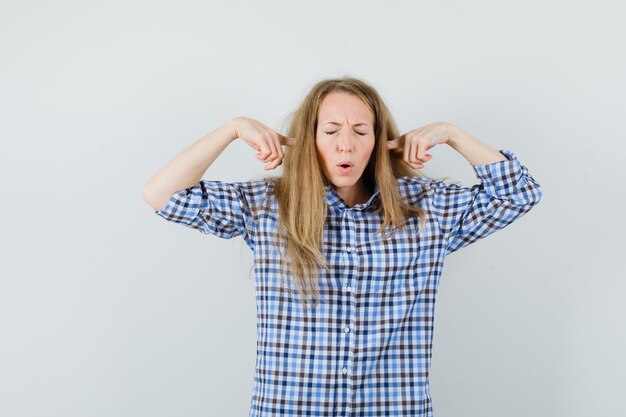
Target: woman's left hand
<point x="416" y="142"/>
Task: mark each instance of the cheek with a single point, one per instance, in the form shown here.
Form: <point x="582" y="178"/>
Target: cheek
<point x="321" y="158"/>
<point x="318" y="150"/>
<point x="370" y="150"/>
<point x="322" y="153"/>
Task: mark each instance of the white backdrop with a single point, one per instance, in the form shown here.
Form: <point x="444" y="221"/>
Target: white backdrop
<point x="108" y="310"/>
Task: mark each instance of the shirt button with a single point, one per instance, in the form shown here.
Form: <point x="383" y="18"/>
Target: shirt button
<point x="349" y="249"/>
<point x="348" y="289"/>
<point x="346" y="329"/>
<point x="344" y="371"/>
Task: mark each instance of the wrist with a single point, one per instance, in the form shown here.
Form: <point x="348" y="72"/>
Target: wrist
<point x="230" y="129"/>
<point x="455" y="135"/>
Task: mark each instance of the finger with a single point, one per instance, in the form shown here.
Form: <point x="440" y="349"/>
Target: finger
<point x="415" y="165"/>
<point x="263" y="157"/>
<point x="393" y="144"/>
<point x="413" y="152"/>
<point x="273" y="164"/>
<point x="406" y="155"/>
<point x="264" y="151"/>
<point x="273" y="161"/>
<point x="285" y="141"/>
<point x="421" y="151"/>
<point x="279" y="148"/>
<point x="274" y="152"/>
<point x="272" y="148"/>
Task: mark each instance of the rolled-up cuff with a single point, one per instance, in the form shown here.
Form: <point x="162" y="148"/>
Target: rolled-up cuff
<point x="502" y="178"/>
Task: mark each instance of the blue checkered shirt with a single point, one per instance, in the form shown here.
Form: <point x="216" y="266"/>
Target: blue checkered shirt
<point x="365" y="348"/>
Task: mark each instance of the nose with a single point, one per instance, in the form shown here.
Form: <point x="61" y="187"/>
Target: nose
<point x="345" y="142"/>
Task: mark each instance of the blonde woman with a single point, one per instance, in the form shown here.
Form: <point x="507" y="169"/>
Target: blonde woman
<point x="349" y="244"/>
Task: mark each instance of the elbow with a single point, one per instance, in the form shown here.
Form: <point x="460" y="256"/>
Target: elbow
<point x="531" y="192"/>
<point x="145" y="194"/>
<point x="533" y="196"/>
<point x="539" y="194"/>
<point x="145" y="191"/>
<point x="151" y="199"/>
<point x="526" y="197"/>
<point x="535" y="191"/>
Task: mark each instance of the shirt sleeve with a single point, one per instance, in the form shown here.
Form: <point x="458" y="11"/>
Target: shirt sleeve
<point x="219" y="208"/>
<point x="505" y="193"/>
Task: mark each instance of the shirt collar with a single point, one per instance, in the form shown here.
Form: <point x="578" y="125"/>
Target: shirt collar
<point x="335" y="201"/>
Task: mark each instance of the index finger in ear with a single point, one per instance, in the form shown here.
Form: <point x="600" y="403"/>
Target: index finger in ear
<point x="285" y="141"/>
<point x="393" y="144"/>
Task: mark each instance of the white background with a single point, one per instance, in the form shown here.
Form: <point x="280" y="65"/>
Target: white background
<point x="106" y="309"/>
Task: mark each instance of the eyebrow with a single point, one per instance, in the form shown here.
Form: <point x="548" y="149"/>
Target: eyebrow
<point x="339" y="124"/>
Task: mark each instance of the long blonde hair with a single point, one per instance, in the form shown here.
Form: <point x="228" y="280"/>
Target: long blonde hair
<point x="300" y="191"/>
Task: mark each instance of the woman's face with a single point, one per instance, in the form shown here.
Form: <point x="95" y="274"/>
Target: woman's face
<point x="345" y="134"/>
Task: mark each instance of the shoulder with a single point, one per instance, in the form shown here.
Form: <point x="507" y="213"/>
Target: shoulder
<point x="250" y="193"/>
<point x="415" y="188"/>
<point x="418" y="188"/>
<point x="254" y="191"/>
<point x="253" y="187"/>
<point x="416" y="184"/>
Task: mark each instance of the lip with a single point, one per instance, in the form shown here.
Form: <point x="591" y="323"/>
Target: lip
<point x="345" y="170"/>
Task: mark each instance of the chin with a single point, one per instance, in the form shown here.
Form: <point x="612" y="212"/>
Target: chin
<point x="342" y="182"/>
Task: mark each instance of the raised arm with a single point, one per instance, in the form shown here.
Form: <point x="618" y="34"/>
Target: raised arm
<point x="475" y="151"/>
<point x="466" y="214"/>
<point x="188" y="167"/>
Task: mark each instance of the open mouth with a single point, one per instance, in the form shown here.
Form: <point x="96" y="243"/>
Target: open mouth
<point x="345" y="167"/>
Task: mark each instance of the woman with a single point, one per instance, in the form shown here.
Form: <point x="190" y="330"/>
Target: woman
<point x="357" y="231"/>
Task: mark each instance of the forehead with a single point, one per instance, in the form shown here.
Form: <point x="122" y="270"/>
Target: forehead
<point x="341" y="107"/>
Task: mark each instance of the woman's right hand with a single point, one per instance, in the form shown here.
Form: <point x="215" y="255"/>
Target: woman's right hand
<point x="266" y="141"/>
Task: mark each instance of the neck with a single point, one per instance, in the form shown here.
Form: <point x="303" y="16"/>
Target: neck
<point x="358" y="194"/>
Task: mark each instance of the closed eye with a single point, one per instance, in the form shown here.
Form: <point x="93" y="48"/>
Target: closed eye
<point x="359" y="133"/>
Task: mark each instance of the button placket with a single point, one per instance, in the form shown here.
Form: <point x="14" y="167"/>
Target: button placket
<point x="350" y="257"/>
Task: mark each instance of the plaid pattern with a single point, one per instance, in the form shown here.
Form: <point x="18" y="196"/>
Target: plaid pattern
<point x="365" y="348"/>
